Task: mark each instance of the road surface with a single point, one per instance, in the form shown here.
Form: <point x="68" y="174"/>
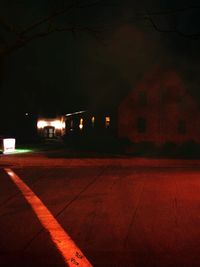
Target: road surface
<point x="118" y="211"/>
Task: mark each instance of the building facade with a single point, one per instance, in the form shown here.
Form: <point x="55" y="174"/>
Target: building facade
<point x="77" y="124"/>
<point x="159" y="110"/>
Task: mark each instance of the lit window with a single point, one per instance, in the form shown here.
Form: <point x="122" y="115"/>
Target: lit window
<point x="93" y="121"/>
<point x="107" y="121"/>
<point x="81" y="124"/>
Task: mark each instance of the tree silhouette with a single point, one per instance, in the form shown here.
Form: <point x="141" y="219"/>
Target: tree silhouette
<point x="15" y="37"/>
<point x="165" y="20"/>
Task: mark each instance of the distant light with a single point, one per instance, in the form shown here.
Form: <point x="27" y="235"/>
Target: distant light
<point x="26" y="114"/>
<point x="107" y="121"/>
<point x="93" y="120"/>
<point x="74" y="113"/>
<point x="81" y="124"/>
<point x="41" y="124"/>
<point x="57" y="124"/>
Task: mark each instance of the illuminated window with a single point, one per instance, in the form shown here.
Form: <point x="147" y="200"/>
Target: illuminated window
<point x="81" y="124"/>
<point x="107" y="121"/>
<point x="141" y="125"/>
<point x="181" y="127"/>
<point x="93" y="121"/>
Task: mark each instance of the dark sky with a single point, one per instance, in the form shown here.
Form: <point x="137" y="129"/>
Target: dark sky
<point x="63" y="73"/>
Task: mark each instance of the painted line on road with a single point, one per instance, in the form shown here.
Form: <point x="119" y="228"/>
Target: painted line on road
<point x="72" y="255"/>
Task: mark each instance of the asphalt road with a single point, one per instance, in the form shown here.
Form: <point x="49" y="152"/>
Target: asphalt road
<point x="118" y="211"/>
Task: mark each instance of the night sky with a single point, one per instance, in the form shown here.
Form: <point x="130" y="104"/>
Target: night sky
<point x="64" y="72"/>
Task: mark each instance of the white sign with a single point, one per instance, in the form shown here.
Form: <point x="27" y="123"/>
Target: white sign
<point x="8" y="145"/>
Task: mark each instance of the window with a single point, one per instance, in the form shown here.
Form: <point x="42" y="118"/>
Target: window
<point x="81" y="124"/>
<point x="107" y="121"/>
<point x="93" y="121"/>
<point x="142" y="99"/>
<point x="181" y="127"/>
<point x="141" y="125"/>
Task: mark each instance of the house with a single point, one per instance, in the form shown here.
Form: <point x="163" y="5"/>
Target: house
<point x="50" y="128"/>
<point x="77" y="124"/>
<point x="159" y="110"/>
<point x="89" y="123"/>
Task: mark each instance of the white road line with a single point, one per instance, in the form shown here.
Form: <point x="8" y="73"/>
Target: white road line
<point x="71" y="253"/>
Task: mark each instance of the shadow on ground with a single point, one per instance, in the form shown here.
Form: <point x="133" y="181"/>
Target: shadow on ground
<point x="115" y="149"/>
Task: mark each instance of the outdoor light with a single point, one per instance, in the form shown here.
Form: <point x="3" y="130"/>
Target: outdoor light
<point x="41" y="124"/>
<point x="57" y="124"/>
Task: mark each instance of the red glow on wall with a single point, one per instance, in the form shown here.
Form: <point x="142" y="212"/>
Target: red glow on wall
<point x="159" y="110"/>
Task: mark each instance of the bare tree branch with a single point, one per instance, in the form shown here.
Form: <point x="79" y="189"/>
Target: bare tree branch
<point x="75" y="29"/>
<point x="20" y="42"/>
<point x="10" y="28"/>
<point x="152" y="16"/>
<point x="58" y="13"/>
<point x="26" y="35"/>
<point x="173" y="30"/>
<point x="169" y="11"/>
<point x="46" y="19"/>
